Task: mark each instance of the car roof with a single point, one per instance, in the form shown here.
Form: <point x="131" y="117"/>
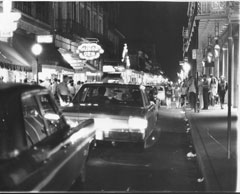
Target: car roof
<point x="18" y="87"/>
<point x="111" y="84"/>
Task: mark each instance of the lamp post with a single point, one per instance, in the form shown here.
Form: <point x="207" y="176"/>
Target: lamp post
<point x="37" y="50"/>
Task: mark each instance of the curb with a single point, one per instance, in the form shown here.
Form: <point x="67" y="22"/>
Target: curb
<point x="211" y="182"/>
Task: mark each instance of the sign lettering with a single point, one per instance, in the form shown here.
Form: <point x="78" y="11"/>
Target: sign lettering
<point x="89" y="51"/>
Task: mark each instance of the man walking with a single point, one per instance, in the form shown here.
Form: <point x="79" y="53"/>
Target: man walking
<point x="192" y="92"/>
<point x="205" y="86"/>
<point x="63" y="90"/>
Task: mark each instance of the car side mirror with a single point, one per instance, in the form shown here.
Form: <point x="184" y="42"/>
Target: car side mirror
<point x="52" y="116"/>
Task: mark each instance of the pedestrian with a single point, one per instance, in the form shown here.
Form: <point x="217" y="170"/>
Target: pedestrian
<point x="205" y="86"/>
<point x="213" y="90"/>
<point x="183" y="91"/>
<point x="168" y="94"/>
<point x="54" y="88"/>
<point x="78" y="86"/>
<point x="25" y="81"/>
<point x="71" y="87"/>
<point x="63" y="90"/>
<point x="192" y="90"/>
<point x="46" y="83"/>
<point x="1" y="79"/>
<point x="177" y="95"/>
<point x="200" y="91"/>
<point x="222" y="88"/>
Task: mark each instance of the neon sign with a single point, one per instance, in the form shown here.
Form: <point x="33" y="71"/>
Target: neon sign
<point x="89" y="51"/>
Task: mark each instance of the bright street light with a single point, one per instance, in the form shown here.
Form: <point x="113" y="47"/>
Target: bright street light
<point x="37" y="50"/>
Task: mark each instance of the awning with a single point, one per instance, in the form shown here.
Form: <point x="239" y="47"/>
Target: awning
<point x="10" y="58"/>
<point x="49" y="55"/>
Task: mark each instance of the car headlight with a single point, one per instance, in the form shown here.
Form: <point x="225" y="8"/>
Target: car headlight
<point x="137" y="123"/>
<point x="102" y="122"/>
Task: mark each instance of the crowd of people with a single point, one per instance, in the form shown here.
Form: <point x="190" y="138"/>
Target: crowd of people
<point x="63" y="91"/>
<point x="203" y="92"/>
<point x="198" y="93"/>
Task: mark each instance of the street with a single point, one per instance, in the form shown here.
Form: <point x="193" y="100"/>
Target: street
<point x="163" y="166"/>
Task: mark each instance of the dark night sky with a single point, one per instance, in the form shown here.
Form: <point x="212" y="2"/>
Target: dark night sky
<point x="157" y="21"/>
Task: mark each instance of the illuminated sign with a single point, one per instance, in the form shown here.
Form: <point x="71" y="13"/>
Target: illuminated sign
<point x="89" y="51"/>
<point x="44" y="38"/>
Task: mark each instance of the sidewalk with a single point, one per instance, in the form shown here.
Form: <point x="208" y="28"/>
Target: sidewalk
<point x="209" y="134"/>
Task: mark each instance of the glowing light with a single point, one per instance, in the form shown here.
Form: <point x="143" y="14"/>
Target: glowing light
<point x="37" y="49"/>
<point x="52" y="116"/>
<point x="137" y="123"/>
<point x="72" y="123"/>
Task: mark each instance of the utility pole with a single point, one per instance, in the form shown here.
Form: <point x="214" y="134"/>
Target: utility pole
<point x="229" y="119"/>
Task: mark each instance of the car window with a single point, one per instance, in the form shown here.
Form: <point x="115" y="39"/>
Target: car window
<point x="110" y="94"/>
<point x="33" y="120"/>
<point x="54" y="121"/>
<point x="146" y="98"/>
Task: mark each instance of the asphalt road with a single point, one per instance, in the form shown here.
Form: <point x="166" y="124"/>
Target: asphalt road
<point x="163" y="166"/>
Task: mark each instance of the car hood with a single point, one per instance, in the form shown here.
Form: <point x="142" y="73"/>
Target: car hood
<point x="94" y="109"/>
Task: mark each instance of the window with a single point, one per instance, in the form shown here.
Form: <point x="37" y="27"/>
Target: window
<point x="54" y="121"/>
<point x="88" y="20"/>
<point x="95" y="20"/>
<point x="82" y="19"/>
<point x="100" y="26"/>
<point x="111" y="94"/>
<point x="33" y="121"/>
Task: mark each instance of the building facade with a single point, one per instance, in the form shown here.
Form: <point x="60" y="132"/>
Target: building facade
<point x="78" y="22"/>
<point x="70" y="24"/>
<point x="211" y="41"/>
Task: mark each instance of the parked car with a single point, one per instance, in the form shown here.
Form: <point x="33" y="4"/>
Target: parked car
<point x="39" y="151"/>
<point x="121" y="112"/>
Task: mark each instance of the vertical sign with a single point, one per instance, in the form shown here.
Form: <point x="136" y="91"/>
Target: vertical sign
<point x="194" y="54"/>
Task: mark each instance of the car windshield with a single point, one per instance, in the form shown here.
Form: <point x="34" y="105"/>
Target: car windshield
<point x="114" y="95"/>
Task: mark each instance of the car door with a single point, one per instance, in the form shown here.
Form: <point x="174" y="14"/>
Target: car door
<point x="65" y="149"/>
<point x="18" y="170"/>
<point x="150" y="114"/>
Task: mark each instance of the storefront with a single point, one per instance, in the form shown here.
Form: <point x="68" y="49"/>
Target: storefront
<point x="13" y="66"/>
<point x="51" y="64"/>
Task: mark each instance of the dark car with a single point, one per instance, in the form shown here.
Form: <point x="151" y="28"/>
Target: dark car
<point x="121" y="112"/>
<point x="38" y="149"/>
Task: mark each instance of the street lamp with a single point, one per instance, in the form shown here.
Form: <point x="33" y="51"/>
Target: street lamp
<point x="37" y="50"/>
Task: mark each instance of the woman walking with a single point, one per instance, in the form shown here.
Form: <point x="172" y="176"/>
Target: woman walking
<point x="222" y="88"/>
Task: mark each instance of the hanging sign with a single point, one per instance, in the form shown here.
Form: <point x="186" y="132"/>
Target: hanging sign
<point x="194" y="54"/>
<point x="45" y="38"/>
<point x="89" y="51"/>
